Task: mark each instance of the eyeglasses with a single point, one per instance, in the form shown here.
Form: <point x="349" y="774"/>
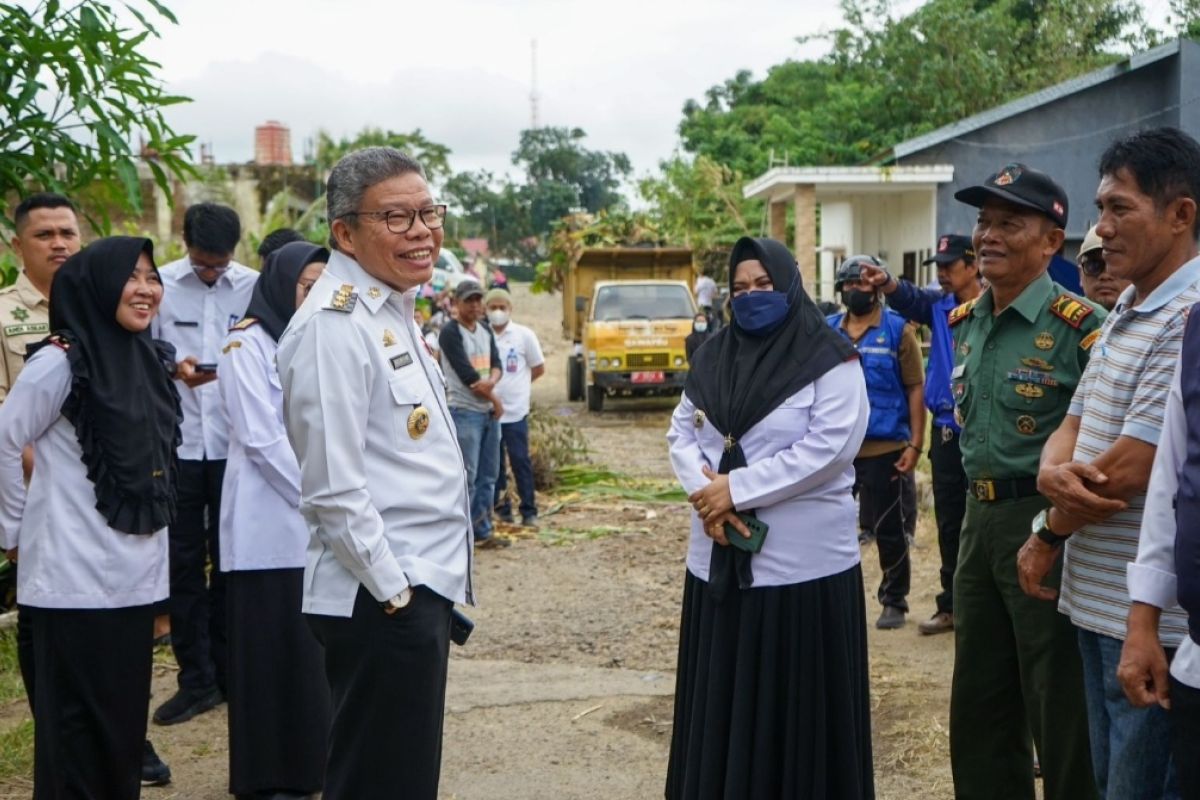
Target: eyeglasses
<point x="1092" y="265"/>
<point x="401" y="221"/>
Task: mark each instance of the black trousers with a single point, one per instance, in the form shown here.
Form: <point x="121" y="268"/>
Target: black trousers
<point x="1185" y="738"/>
<point x="198" y="634"/>
<point x="93" y="694"/>
<point x="387" y="677"/>
<point x="878" y="487"/>
<point x="25" y="652"/>
<point x="949" y="506"/>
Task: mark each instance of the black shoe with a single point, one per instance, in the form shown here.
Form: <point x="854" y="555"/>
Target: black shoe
<point x="154" y="771"/>
<point x="187" y="704"/>
<point x="529" y="521"/>
<point x="890" y="619"/>
<point x="507" y="519"/>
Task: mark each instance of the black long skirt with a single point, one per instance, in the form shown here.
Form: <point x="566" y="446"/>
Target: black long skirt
<point x="92" y="684"/>
<point x="771" y="694"/>
<point x="278" y="696"/>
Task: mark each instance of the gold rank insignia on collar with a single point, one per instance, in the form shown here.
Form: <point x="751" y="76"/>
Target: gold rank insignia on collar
<point x="959" y="313"/>
<point x="1070" y="310"/>
<point x="344" y="299"/>
<point x="389" y="338"/>
<point x="374" y="293"/>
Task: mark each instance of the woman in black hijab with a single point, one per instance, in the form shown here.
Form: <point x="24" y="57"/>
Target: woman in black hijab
<point x="278" y="696"/>
<point x="97" y="404"/>
<point x="771" y="693"/>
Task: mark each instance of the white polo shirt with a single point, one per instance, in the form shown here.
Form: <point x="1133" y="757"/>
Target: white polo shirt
<point x="519" y="352"/>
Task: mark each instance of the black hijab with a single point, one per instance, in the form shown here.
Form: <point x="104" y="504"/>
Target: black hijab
<point x="123" y="403"/>
<point x="274" y="300"/>
<point x="738" y="379"/>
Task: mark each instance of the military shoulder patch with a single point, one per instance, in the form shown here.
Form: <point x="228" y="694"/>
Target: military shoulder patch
<point x="344" y="299"/>
<point x="959" y="313"/>
<point x="1089" y="340"/>
<point x="234" y="345"/>
<point x="1070" y="310"/>
<point x="245" y="323"/>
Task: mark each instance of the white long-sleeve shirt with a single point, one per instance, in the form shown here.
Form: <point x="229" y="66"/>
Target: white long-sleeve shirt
<point x="1151" y="577"/>
<point x="261" y="525"/>
<point x="195" y="318"/>
<point x="385" y="499"/>
<point x="70" y="557"/>
<point x="798" y="477"/>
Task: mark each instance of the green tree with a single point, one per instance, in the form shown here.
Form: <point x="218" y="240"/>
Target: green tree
<point x="75" y="90"/>
<point x="434" y="157"/>
<point x="495" y="210"/>
<point x="562" y="175"/>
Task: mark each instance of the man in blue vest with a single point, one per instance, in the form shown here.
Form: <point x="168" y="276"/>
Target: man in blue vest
<point x="891" y="362"/>
<point x="958" y="276"/>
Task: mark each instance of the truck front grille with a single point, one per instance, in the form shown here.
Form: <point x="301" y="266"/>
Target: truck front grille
<point x="636" y="360"/>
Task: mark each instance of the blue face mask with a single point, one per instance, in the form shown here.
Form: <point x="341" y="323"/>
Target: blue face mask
<point x="760" y="313"/>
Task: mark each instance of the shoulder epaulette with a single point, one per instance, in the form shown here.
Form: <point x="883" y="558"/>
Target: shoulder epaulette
<point x="1070" y="309"/>
<point x="243" y="324"/>
<point x="1090" y="339"/>
<point x="959" y="313"/>
<point x="344" y="299"/>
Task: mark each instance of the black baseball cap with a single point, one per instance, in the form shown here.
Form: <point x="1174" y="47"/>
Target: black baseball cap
<point x="1022" y="186"/>
<point x="950" y="248"/>
<point x="467" y="289"/>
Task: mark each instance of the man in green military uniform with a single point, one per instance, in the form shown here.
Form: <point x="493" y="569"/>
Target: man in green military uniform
<point x="1020" y="349"/>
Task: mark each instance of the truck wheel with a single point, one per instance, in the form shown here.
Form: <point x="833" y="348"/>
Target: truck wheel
<point x="595" y="398"/>
<point x="574" y="379"/>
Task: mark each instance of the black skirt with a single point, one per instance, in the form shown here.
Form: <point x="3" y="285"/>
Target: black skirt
<point x="771" y="694"/>
<point x="278" y="697"/>
<point x="92" y="695"/>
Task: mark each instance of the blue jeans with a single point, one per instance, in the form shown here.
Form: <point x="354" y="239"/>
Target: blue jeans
<point x="514" y="442"/>
<point x="1131" y="747"/>
<point x="479" y="440"/>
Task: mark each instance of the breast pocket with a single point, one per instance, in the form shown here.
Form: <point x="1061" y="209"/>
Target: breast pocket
<point x="790" y="418"/>
<point x="1033" y="408"/>
<point x="414" y="410"/>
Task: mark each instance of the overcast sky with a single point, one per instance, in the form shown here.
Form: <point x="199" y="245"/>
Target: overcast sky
<point x="460" y="69"/>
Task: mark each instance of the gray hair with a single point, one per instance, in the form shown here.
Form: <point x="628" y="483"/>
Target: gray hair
<point x="357" y="172"/>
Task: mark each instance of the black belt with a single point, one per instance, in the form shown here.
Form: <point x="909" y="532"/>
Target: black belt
<point x="989" y="491"/>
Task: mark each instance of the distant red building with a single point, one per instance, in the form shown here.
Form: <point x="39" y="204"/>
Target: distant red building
<point x="475" y="247"/>
<point x="273" y="144"/>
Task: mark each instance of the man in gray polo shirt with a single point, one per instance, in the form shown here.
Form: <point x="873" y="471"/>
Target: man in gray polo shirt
<point x="1095" y="466"/>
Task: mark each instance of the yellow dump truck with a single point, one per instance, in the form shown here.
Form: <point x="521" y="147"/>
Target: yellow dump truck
<point x="628" y="311"/>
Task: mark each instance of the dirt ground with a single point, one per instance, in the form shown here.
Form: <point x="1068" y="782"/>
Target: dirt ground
<point x="565" y="689"/>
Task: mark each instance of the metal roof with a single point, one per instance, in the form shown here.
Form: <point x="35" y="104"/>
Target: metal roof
<point x="1032" y="101"/>
<point x="776" y="182"/>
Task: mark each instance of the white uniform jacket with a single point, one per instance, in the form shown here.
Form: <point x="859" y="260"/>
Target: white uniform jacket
<point x="70" y="558"/>
<point x="383" y="483"/>
<point x="261" y="525"/>
<point x="798" y="477"/>
<point x="196" y="318"/>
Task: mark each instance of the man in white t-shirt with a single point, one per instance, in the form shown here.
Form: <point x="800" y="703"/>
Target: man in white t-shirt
<point x="521" y="363"/>
<point x="706" y="290"/>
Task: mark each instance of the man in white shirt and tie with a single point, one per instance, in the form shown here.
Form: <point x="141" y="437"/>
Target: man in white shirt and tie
<point x="383" y="483"/>
<point x="204" y="293"/>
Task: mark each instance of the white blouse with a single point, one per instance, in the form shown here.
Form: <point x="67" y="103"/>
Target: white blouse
<point x="798" y="478"/>
<point x="69" y="557"/>
<point x="261" y="524"/>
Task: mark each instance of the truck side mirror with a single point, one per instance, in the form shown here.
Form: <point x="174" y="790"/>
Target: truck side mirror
<point x="581" y="304"/>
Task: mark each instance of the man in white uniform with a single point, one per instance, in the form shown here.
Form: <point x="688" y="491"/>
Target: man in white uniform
<point x="383" y="484"/>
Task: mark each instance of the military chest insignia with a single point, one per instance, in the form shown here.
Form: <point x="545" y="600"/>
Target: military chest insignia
<point x="418" y="422"/>
<point x="400" y="360"/>
<point x="964" y="349"/>
<point x="698" y="418"/>
<point x="1032" y="376"/>
<point x="248" y="322"/>
<point x="1030" y="390"/>
<point x="1038" y="363"/>
<point x="344" y="299"/>
<point x="1070" y="310"/>
<point x="958" y="416"/>
<point x="389" y="338"/>
<point x="374" y="293"/>
<point x="27" y="329"/>
<point x="959" y="313"/>
<point x="1026" y="424"/>
<point x="1090" y="339"/>
<point x="1043" y="341"/>
<point x="20" y="314"/>
<point x="234" y="345"/>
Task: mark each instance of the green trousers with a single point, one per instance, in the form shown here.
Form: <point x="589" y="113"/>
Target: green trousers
<point x="1016" y="670"/>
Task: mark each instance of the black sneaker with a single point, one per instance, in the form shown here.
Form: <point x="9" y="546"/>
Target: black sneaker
<point x="890" y="619"/>
<point x="154" y="771"/>
<point x="187" y="704"/>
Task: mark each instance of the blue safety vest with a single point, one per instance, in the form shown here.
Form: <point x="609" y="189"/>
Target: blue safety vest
<point x="879" y="353"/>
<point x="1187" y="498"/>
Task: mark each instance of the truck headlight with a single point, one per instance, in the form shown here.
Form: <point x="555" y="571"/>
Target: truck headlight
<point x="616" y="362"/>
<point x="679" y="361"/>
<point x="603" y="363"/>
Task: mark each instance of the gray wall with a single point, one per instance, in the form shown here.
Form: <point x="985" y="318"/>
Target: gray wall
<point x="1055" y="137"/>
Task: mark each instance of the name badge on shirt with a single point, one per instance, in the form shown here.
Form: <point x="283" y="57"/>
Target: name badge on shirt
<point x="185" y="324"/>
<point x="958" y="371"/>
<point x="401" y="360"/>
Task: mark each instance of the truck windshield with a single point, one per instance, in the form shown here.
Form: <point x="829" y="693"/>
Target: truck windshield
<point x="642" y="301"/>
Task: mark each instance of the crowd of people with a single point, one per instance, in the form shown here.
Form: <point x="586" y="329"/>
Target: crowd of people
<point x="282" y="465"/>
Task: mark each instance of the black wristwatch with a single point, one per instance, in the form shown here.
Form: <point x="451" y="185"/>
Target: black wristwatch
<point x="1041" y="529"/>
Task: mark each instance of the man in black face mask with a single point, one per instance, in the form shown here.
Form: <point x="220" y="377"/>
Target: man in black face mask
<point x="895" y="375"/>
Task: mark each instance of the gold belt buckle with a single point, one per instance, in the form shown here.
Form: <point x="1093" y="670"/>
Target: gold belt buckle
<point x="984" y="491"/>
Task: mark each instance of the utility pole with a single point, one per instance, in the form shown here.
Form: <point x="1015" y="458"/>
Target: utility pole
<point x="534" y="122"/>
